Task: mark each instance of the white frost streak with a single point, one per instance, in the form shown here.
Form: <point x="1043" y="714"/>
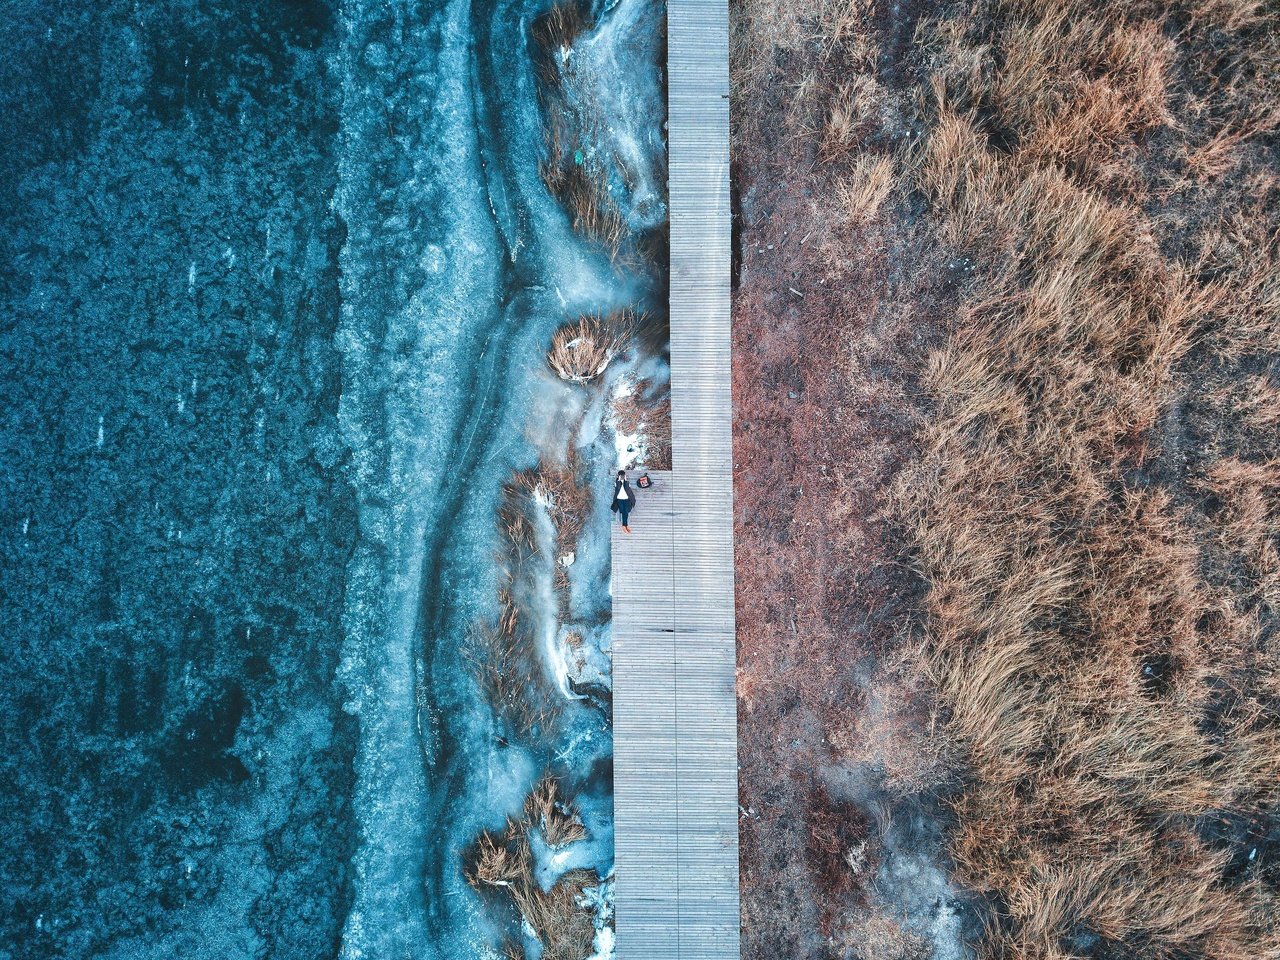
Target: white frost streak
<point x="552" y="649"/>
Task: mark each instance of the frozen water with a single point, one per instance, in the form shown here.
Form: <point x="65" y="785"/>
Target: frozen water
<point x="620" y="117"/>
<point x="466" y="327"/>
<point x="236" y="668"/>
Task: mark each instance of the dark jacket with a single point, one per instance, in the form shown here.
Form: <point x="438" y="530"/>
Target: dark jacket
<point x="618" y="486"/>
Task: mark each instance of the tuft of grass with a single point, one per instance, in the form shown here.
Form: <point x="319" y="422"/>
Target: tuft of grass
<point x="583" y="190"/>
<point x="503" y="862"/>
<point x="503" y="656"/>
<point x="564" y="928"/>
<point x="555" y="487"/>
<point x="556" y="31"/>
<point x="546" y="810"/>
<point x="851" y="112"/>
<point x="567" y="501"/>
<point x="499" y="861"/>
<point x="571" y="172"/>
<point x="862" y="192"/>
<point x="645" y="409"/>
<point x="582" y="350"/>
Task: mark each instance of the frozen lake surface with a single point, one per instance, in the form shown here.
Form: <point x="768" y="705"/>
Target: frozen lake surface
<point x="279" y="283"/>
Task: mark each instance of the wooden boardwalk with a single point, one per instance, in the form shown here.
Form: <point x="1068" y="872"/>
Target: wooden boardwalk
<point x="675" y="709"/>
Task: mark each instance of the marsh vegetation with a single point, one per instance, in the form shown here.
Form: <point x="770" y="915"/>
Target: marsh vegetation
<point x="541" y="657"/>
<point x="1083" y="475"/>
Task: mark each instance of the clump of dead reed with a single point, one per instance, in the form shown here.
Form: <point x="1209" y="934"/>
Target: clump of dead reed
<point x="517" y="529"/>
<point x="499" y="861"/>
<point x="503" y="651"/>
<point x="545" y="809"/>
<point x="557" y="30"/>
<point x="504" y="658"/>
<point x="564" y="928"/>
<point x="643" y="409"/>
<point x="555" y="488"/>
<point x="582" y="350"/>
<point x="503" y="862"/>
<point x="582" y="188"/>
<point x="571" y="168"/>
<point x="863" y="190"/>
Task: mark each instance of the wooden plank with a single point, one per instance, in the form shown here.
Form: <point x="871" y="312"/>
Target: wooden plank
<point x="675" y="709"/>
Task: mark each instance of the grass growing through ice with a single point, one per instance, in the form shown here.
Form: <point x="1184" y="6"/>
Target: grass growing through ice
<point x="508" y="664"/>
<point x="546" y="810"/>
<point x="643" y="409"/>
<point x="1093" y="504"/>
<point x="555" y="488"/>
<point x="556" y="31"/>
<point x="505" y="659"/>
<point x="505" y="652"/>
<point x="582" y="350"/>
<point x="503" y="863"/>
<point x="570" y="170"/>
<point x="582" y="189"/>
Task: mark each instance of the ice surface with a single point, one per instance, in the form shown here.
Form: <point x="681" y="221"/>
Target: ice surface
<point x="180" y="778"/>
<point x="471" y="266"/>
<point x="238" y="612"/>
<point x="623" y="123"/>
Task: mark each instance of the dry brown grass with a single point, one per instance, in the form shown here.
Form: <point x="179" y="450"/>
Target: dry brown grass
<point x="1082" y="654"/>
<point x="556" y="31"/>
<point x="564" y="928"/>
<point x="865" y="188"/>
<point x="500" y="861"/>
<point x="582" y="350"/>
<point x="1093" y="504"/>
<point x="557" y="488"/>
<point x="880" y="937"/>
<point x="550" y="813"/>
<point x="503" y="656"/>
<point x="517" y="529"/>
<point x="1232" y="15"/>
<point x="504" y="862"/>
<point x="503" y="652"/>
<point x="645" y="409"/>
<point x="570" y="169"/>
<point x="582" y="189"/>
<point x="758" y="30"/>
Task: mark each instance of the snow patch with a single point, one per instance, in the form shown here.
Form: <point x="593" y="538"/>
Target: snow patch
<point x="599" y="900"/>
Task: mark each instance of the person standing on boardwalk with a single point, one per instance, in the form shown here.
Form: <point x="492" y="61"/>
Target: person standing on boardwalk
<point x="624" y="500"/>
